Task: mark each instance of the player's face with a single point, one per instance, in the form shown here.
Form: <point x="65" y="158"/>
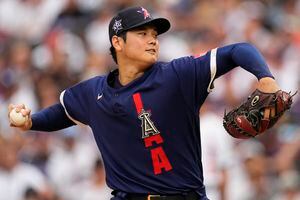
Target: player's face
<point x="141" y="46"/>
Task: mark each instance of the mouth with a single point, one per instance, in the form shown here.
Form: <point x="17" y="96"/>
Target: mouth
<point x="151" y="51"/>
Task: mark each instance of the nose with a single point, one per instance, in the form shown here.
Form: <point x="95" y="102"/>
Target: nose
<point x="153" y="40"/>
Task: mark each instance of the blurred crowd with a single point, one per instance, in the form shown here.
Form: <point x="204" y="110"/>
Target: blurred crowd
<point x="48" y="45"/>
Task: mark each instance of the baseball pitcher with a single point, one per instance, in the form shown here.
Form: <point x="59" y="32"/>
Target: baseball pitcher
<point x="145" y="114"/>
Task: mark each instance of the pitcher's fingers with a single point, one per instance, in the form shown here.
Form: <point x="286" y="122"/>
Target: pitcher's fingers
<point x="27" y="125"/>
<point x="19" y="107"/>
<point x="10" y="107"/>
<point x="25" y="112"/>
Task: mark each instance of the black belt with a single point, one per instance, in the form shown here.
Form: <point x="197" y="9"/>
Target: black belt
<point x="188" y="196"/>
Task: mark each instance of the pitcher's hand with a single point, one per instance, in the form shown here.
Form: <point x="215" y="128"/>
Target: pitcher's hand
<point x="20" y="108"/>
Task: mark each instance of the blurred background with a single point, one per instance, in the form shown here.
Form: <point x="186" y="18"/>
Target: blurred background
<point x="48" y="45"/>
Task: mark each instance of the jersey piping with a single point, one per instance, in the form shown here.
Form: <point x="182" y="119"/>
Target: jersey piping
<point x="61" y="99"/>
<point x="213" y="69"/>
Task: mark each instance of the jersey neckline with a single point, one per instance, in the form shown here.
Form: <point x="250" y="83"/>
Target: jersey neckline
<point x="110" y="78"/>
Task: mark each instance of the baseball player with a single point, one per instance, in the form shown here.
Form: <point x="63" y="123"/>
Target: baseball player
<point x="144" y="115"/>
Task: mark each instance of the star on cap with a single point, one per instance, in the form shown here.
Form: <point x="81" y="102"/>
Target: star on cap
<point x="117" y="26"/>
<point x="144" y="12"/>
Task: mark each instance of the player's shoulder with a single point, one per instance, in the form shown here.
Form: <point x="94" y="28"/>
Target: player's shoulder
<point x="95" y="80"/>
<point x="175" y="61"/>
<point x="182" y="62"/>
<point x="90" y="84"/>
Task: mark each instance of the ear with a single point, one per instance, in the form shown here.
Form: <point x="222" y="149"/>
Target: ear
<point x="117" y="42"/>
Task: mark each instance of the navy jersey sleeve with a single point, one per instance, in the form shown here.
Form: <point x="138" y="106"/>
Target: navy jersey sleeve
<point x="244" y="55"/>
<point x="196" y="74"/>
<point x="194" y="77"/>
<point x="76" y="101"/>
<point x="52" y="118"/>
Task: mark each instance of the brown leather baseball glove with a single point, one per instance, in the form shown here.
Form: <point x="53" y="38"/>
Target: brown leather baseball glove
<point x="259" y="113"/>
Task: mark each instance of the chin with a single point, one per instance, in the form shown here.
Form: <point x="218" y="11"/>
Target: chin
<point x="147" y="64"/>
<point x="153" y="59"/>
<point x="151" y="62"/>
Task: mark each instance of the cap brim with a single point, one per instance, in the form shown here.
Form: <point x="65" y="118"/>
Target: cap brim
<point x="162" y="25"/>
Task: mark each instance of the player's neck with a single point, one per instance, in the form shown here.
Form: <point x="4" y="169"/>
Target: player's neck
<point x="130" y="72"/>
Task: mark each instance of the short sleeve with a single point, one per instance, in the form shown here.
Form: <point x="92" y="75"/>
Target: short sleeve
<point x="76" y="101"/>
<point x="196" y="76"/>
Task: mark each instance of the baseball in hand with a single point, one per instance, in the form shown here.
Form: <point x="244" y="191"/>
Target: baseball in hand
<point x="17" y="118"/>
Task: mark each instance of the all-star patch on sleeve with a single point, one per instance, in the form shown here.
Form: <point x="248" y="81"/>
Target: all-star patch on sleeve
<point x="77" y="99"/>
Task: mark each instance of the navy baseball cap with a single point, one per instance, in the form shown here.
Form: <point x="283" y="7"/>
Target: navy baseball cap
<point x="134" y="17"/>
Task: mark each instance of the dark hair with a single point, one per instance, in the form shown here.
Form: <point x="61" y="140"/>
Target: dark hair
<point x="113" y="50"/>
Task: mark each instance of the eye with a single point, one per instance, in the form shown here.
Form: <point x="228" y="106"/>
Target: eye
<point x="143" y="33"/>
